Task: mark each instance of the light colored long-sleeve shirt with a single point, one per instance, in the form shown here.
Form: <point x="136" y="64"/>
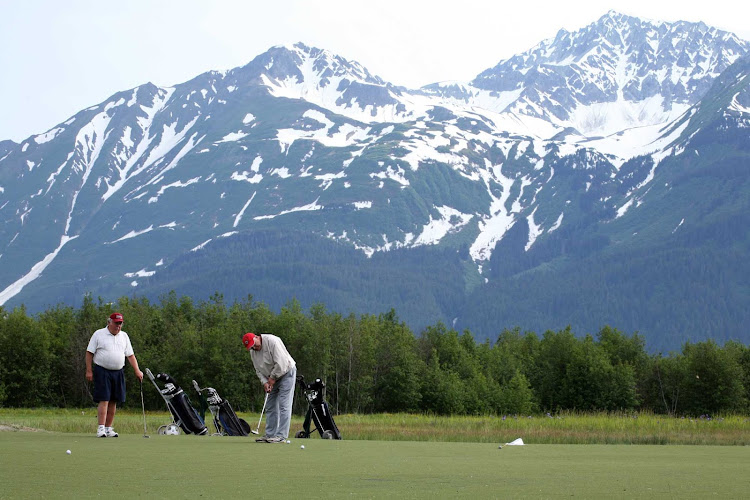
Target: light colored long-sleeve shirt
<point x="273" y="360"/>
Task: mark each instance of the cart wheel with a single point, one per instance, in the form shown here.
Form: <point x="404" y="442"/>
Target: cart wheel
<point x="162" y="430"/>
<point x="301" y="435"/>
<point x="327" y="435"/>
<point x="173" y="430"/>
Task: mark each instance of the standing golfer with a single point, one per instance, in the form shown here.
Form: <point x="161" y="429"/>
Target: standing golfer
<point x="108" y="349"/>
<point x="277" y="372"/>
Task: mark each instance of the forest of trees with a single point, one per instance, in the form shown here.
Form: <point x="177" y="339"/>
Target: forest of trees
<point x="369" y="363"/>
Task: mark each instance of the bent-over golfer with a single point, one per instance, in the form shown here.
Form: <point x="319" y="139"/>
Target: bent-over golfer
<point x="107" y="350"/>
<point x="277" y="372"/>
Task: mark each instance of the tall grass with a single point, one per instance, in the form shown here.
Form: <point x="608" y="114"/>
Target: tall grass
<point x="565" y="428"/>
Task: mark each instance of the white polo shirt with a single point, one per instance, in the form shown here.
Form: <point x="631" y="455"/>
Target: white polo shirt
<point x="110" y="350"/>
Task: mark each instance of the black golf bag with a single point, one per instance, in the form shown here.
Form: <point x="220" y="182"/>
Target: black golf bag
<point x="226" y="421"/>
<point x="318" y="411"/>
<point x="184" y="415"/>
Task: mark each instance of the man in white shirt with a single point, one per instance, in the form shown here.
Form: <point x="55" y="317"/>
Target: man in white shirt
<point x="107" y="350"/>
<point x="277" y="372"/>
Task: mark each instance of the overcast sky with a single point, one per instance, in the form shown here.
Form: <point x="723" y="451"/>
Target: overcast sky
<point x="60" y="56"/>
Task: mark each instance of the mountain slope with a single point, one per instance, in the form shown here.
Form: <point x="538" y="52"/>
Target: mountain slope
<point x="507" y="201"/>
<point x="673" y="257"/>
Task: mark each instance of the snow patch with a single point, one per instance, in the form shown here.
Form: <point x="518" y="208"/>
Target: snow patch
<point x="345" y="135"/>
<point x="14" y="288"/>
<point x="306" y="208"/>
<point x="246" y="177"/>
<point x="140" y="274"/>
<point x="556" y="224"/>
<point x="623" y="209"/>
<point x="238" y="218"/>
<point x="492" y="227"/>
<point x="232" y="137"/>
<point x="534" y="230"/>
<point x="450" y="221"/>
<point x="328" y="179"/>
<point x="134" y="233"/>
<point x="177" y="184"/>
<point x="48" y="136"/>
<point x="398" y="175"/>
<point x="195" y="249"/>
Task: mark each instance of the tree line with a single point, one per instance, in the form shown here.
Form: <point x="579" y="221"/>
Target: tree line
<point x="370" y="363"/>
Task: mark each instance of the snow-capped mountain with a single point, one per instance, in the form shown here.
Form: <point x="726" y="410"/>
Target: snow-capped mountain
<point x="617" y="73"/>
<point x="303" y="175"/>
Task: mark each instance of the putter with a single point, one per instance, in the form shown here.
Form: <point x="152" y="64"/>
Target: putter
<point x="261" y="416"/>
<point x="143" y="407"/>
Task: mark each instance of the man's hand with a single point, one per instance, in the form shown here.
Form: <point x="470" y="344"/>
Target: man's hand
<point x="139" y="374"/>
<point x="89" y="375"/>
<point x="268" y="386"/>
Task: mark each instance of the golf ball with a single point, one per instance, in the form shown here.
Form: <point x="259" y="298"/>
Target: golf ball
<point x="302" y="447"/>
<point x="288" y="442"/>
<point x="68" y="452"/>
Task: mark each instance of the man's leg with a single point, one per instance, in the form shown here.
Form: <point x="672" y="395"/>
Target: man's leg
<point x="272" y="413"/>
<point x="101" y="412"/>
<point x="286" y="399"/>
<point x="117" y="380"/>
<point x="111" y="409"/>
<point x="103" y="395"/>
<point x="101" y="418"/>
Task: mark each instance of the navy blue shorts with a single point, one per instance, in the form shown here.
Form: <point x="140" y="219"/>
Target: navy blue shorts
<point x="109" y="385"/>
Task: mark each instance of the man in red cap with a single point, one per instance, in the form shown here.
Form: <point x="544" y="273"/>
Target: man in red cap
<point x="277" y="372"/>
<point x="108" y="349"/>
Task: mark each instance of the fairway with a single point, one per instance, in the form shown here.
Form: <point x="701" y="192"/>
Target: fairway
<point x="35" y="464"/>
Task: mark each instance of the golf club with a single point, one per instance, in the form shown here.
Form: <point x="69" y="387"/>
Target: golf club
<point x="261" y="416"/>
<point x="143" y="407"/>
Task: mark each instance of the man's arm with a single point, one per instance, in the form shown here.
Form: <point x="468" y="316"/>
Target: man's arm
<point x="134" y="363"/>
<point x="280" y="360"/>
<point x="263" y="379"/>
<point x="89" y="360"/>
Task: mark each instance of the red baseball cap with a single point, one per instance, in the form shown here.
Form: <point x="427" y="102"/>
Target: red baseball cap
<point x="116" y="317"/>
<point x="248" y="339"/>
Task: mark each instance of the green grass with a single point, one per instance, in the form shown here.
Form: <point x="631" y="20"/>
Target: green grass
<point x="568" y="428"/>
<point x="382" y="456"/>
<point x="35" y="465"/>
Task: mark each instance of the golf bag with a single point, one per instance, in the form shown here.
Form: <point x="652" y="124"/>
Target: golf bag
<point x="226" y="421"/>
<point x="318" y="411"/>
<point x="184" y="415"/>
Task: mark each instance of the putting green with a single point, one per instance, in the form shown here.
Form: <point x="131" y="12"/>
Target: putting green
<point x="35" y="464"/>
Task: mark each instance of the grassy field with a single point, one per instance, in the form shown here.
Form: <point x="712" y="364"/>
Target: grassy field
<point x="35" y="465"/>
<point x="381" y="456"/>
<point x="569" y="428"/>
